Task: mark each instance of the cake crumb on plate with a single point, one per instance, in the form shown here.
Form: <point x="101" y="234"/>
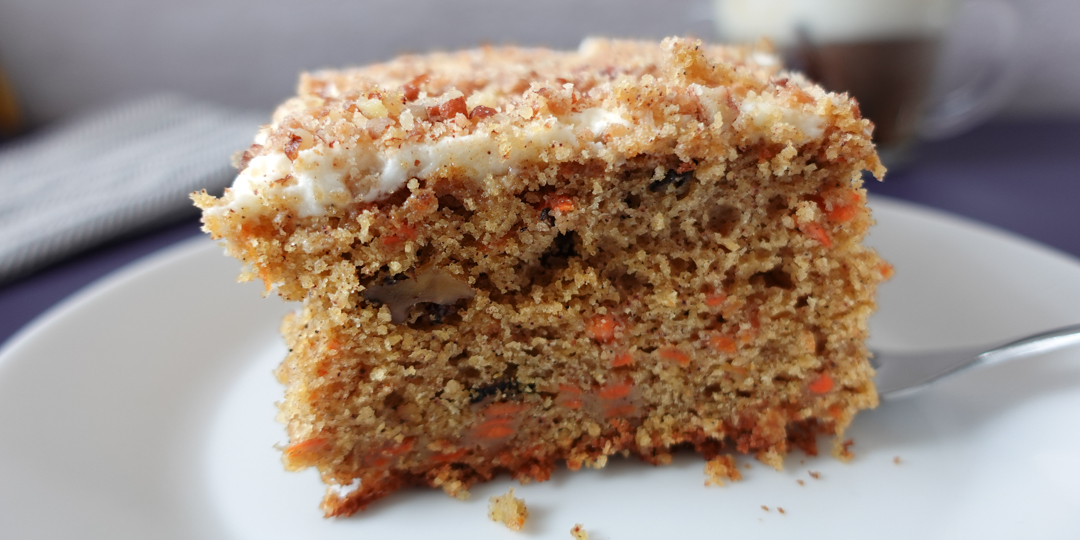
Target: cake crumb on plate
<point x="508" y="510"/>
<point x="721" y="468"/>
<point x="579" y="533"/>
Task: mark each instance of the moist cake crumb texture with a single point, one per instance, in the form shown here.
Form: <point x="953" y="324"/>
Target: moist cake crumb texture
<point x="508" y="510"/>
<point x="508" y="259"/>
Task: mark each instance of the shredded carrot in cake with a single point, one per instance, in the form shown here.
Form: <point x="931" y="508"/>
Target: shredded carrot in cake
<point x="715" y="299"/>
<point x="816" y="232"/>
<point x="503" y="409"/>
<point x="722" y="343"/>
<point x="602" y="328"/>
<point x="307" y="450"/>
<point x="673" y="353"/>
<point x="620" y="410"/>
<point x="843" y="213"/>
<point x="622" y="360"/>
<point x="822" y="384"/>
<point x="403" y="233"/>
<point x="616" y="390"/>
<point x="560" y="203"/>
<point x="495" y="428"/>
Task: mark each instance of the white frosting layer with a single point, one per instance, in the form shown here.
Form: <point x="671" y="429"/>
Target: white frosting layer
<point x="344" y="490"/>
<point x="763" y="112"/>
<point x="315" y="182"/>
<point x="480" y="154"/>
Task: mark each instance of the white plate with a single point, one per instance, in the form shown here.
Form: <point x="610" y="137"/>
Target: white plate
<point x="143" y="408"/>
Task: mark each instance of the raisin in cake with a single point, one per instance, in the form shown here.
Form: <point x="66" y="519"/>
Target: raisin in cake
<point x="506" y="259"/>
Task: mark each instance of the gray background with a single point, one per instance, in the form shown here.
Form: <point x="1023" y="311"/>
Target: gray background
<point x="66" y="55"/>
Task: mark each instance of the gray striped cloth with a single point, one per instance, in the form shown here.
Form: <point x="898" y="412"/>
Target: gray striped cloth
<point x="112" y="172"/>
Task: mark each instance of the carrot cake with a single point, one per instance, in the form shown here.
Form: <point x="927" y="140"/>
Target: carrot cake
<point x="507" y="259"/>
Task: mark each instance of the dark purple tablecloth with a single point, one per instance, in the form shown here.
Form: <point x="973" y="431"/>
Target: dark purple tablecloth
<point x="1020" y="176"/>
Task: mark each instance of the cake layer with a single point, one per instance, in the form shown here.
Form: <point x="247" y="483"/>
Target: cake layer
<point x="512" y="258"/>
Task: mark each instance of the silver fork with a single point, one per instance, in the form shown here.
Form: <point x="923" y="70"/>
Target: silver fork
<point x="899" y="374"/>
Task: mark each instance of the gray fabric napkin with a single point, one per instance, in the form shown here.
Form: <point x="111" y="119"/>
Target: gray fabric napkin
<point x="111" y="172"/>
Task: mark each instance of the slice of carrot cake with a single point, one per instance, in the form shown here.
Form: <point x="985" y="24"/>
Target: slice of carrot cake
<point x="509" y="258"/>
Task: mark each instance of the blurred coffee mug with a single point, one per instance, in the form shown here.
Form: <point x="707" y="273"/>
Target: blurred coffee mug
<point x="886" y="53"/>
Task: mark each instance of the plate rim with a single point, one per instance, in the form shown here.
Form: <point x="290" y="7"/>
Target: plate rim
<point x="102" y="286"/>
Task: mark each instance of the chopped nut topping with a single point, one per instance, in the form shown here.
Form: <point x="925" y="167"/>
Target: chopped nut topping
<point x="448" y="109"/>
<point x="411" y="89"/>
<point x="429" y="285"/>
<point x="481" y="111"/>
<point x="292" y="148"/>
<point x="241" y="159"/>
<point x="377" y="126"/>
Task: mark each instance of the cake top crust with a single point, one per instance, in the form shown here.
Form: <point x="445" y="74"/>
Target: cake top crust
<point x="356" y="136"/>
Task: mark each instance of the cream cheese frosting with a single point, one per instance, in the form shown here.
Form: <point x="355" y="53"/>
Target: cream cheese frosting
<point x="763" y="112"/>
<point x="389" y="139"/>
<point x="316" y="181"/>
